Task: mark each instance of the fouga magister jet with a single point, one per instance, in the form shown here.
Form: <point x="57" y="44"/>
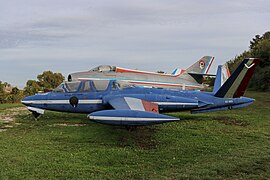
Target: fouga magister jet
<point x="191" y="78"/>
<point x="113" y="103"/>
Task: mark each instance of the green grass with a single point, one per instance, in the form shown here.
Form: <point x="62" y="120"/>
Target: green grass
<point x="222" y="145"/>
<point x="8" y="106"/>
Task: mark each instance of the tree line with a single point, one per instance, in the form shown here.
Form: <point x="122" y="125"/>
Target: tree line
<point x="9" y="94"/>
<point x="259" y="48"/>
<point x="45" y="82"/>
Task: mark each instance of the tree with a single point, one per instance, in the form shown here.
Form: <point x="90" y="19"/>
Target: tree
<point x="47" y="81"/>
<point x="259" y="48"/>
<point x="15" y="96"/>
<point x="1" y="87"/>
<point x="2" y="94"/>
<point x="50" y="80"/>
<point x="32" y="87"/>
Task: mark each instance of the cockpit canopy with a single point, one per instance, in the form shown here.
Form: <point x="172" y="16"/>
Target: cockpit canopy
<point x="90" y="86"/>
<point x="68" y="87"/>
<point x="104" y="68"/>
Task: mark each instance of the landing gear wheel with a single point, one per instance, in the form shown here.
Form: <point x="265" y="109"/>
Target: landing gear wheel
<point x="35" y="114"/>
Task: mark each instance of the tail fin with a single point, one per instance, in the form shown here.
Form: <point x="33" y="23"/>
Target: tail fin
<point x="202" y="66"/>
<point x="237" y="83"/>
<point x="176" y="71"/>
<point x="222" y="75"/>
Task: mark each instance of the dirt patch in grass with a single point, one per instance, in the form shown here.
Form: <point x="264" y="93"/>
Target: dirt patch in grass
<point x="67" y="125"/>
<point x="3" y="130"/>
<point x="266" y="102"/>
<point x="231" y="121"/>
<point x="7" y="117"/>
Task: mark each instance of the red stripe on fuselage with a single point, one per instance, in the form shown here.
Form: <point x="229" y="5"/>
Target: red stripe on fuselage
<point x="121" y="70"/>
<point x="173" y="85"/>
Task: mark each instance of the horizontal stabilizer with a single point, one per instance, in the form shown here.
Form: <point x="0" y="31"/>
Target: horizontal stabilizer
<point x="199" y="76"/>
<point x="129" y="118"/>
<point x="247" y="102"/>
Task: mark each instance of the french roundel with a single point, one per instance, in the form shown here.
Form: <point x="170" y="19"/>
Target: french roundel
<point x="202" y="64"/>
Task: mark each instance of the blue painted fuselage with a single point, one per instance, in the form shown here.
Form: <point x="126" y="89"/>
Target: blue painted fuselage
<point x="167" y="100"/>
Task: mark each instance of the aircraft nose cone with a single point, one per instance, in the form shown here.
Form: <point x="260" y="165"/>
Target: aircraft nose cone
<point x="27" y="100"/>
<point x="33" y="99"/>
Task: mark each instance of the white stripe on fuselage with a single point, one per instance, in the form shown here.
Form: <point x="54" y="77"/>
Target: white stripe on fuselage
<point x="98" y="101"/>
<point x="175" y="103"/>
<point x="95" y="101"/>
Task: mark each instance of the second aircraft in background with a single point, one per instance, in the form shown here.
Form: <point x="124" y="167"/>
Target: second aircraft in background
<point x="188" y="79"/>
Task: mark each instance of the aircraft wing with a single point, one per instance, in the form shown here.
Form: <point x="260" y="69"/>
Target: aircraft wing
<point x="129" y="103"/>
<point x="130" y="111"/>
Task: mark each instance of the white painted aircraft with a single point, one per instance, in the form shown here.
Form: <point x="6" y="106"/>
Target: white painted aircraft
<point x="188" y="79"/>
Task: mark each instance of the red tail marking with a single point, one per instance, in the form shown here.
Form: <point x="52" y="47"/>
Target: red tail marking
<point x="243" y="86"/>
<point x="210" y="65"/>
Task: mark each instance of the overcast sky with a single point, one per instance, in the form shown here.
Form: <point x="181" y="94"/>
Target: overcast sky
<point x="74" y="35"/>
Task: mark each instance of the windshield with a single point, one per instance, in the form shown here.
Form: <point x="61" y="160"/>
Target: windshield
<point x="100" y="85"/>
<point x="85" y="86"/>
<point x="59" y="89"/>
<point x="72" y="86"/>
<point x="104" y="68"/>
<point x="68" y="87"/>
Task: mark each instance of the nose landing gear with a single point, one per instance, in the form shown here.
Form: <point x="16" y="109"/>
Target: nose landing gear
<point x="36" y="111"/>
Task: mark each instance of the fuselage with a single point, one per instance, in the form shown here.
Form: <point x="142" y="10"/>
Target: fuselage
<point x="179" y="81"/>
<point x="87" y="97"/>
<point x="188" y="79"/>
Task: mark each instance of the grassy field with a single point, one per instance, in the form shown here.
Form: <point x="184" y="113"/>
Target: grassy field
<point x="225" y="145"/>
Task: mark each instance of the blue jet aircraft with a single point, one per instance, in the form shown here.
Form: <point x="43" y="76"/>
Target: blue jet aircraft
<point x="114" y="103"/>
